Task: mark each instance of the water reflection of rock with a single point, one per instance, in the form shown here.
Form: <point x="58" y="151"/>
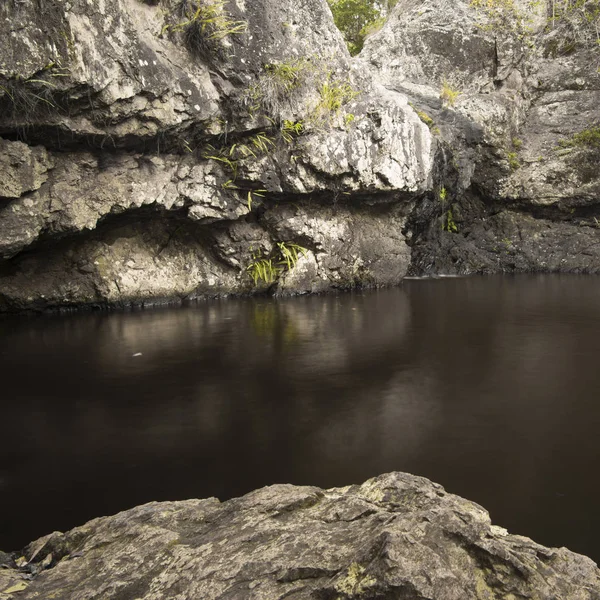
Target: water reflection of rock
<point x="486" y="385"/>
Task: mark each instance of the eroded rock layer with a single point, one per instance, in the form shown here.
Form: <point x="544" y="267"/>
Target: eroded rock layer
<point x="511" y="90"/>
<point x="145" y="159"/>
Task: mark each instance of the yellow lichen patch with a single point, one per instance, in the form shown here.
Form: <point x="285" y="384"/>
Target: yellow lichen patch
<point x="482" y="589"/>
<point x="356" y="582"/>
<point x="18" y="587"/>
<point x="372" y="493"/>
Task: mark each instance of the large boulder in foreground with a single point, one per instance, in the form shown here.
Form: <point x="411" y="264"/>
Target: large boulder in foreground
<point x="395" y="536"/>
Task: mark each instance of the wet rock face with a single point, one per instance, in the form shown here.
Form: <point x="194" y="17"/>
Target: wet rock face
<point x="395" y="536"/>
<point x="121" y="109"/>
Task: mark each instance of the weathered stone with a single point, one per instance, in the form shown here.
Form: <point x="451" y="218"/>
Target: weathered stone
<point x="134" y="117"/>
<point x="516" y="101"/>
<point x="461" y="116"/>
<point x="23" y="168"/>
<point x="395" y="536"/>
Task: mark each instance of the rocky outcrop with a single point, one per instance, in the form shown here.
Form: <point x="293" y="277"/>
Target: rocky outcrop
<point x="511" y="90"/>
<point x="394" y="536"/>
<point x="151" y="155"/>
<point x="175" y="149"/>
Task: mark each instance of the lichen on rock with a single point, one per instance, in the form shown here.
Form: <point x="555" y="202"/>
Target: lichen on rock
<point x="395" y="536"/>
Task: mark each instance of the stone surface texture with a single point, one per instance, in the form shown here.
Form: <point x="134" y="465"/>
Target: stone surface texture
<point x="396" y="536"/>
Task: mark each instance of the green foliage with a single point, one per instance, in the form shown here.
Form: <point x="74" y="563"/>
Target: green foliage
<point x="517" y="143"/>
<point x="448" y="223"/>
<point x="35" y="96"/>
<point x="288" y="74"/>
<point x="251" y="194"/>
<point x="513" y="161"/>
<point x="580" y="24"/>
<point x="267" y="269"/>
<point x="424" y="117"/>
<point x="352" y="18"/>
<point x="291" y="129"/>
<point x="505" y="15"/>
<point x="263" y="269"/>
<point x="276" y="89"/>
<point x="289" y="253"/>
<point x="334" y="94"/>
<point x="256" y="145"/>
<point x="448" y="94"/>
<point x="587" y="138"/>
<point x="374" y="27"/>
<point x="206" y="23"/>
<point x="443" y="194"/>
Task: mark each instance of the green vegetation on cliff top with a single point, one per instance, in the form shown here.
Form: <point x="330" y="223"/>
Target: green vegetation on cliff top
<point x="357" y="19"/>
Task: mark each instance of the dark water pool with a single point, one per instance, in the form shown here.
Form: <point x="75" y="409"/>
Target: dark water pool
<point x="490" y="386"/>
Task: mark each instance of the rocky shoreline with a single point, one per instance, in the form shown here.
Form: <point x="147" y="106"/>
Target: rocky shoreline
<point x="396" y="536"/>
<point x="139" y="166"/>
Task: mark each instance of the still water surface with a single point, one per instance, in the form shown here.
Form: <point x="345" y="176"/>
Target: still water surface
<point x="489" y="386"/>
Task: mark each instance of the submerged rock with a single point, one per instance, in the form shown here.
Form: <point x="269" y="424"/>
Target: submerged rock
<point x="396" y="536"/>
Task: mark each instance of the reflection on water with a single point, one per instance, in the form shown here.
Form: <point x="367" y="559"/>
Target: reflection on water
<point x="486" y="385"/>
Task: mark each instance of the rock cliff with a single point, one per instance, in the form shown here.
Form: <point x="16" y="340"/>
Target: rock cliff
<point x="395" y="536"/>
<point x="511" y="90"/>
<point x="175" y="149"/>
<point x="158" y="150"/>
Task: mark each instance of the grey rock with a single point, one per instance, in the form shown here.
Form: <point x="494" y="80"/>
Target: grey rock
<point x="24" y="168"/>
<point x="127" y="114"/>
<point x="521" y="201"/>
<point x="134" y="134"/>
<point x="394" y="536"/>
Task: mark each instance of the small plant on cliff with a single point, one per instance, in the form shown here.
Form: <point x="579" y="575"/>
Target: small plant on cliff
<point x="278" y="87"/>
<point x="579" y="21"/>
<point x="230" y="156"/>
<point x="268" y="268"/>
<point x="587" y="138"/>
<point x="448" y="94"/>
<point x="334" y="94"/>
<point x="290" y="253"/>
<point x="205" y="25"/>
<point x="38" y="95"/>
<point x="505" y="16"/>
<point x="423" y="116"/>
<point x="291" y="130"/>
<point x="448" y="223"/>
<point x="426" y="119"/>
<point x="513" y="161"/>
<point x="263" y="269"/>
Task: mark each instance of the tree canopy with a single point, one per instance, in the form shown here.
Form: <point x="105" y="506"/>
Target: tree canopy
<point x="357" y="18"/>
